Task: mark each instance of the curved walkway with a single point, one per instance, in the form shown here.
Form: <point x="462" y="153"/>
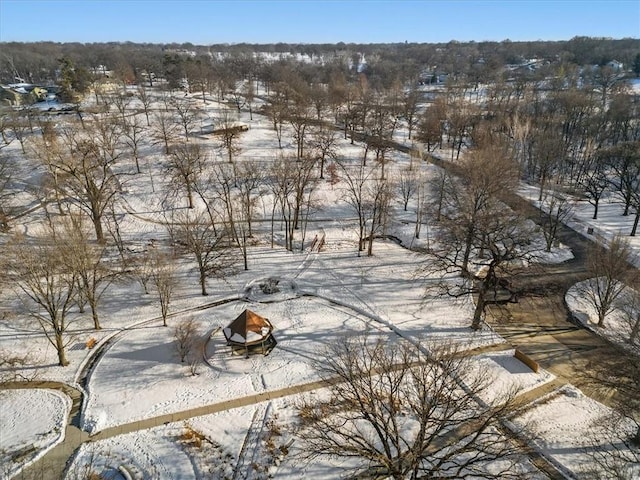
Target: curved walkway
<point x="541" y="325"/>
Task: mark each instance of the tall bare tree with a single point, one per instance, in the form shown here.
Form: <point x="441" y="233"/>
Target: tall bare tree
<point x="478" y="236"/>
<point x="624" y="159"/>
<point x="6" y="193"/>
<point x="88" y="262"/>
<point x="87" y="164"/>
<point x="398" y="411"/>
<point x="163" y="276"/>
<point x="185" y="165"/>
<point x="145" y="99"/>
<point x="229" y="133"/>
<point x="369" y="195"/>
<point x="594" y="183"/>
<point x="133" y="132"/>
<point x="187" y="112"/>
<point x="555" y="210"/>
<point x="469" y="196"/>
<point x="610" y="270"/>
<point x="195" y="234"/>
<point x="250" y="177"/>
<point x="48" y="286"/>
<point x="324" y="142"/>
<point x="164" y="129"/>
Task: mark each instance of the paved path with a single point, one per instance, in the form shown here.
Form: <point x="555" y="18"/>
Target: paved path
<point x="52" y="465"/>
<point x="541" y="325"/>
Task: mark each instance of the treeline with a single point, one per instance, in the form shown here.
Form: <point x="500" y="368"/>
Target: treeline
<point x="39" y="62"/>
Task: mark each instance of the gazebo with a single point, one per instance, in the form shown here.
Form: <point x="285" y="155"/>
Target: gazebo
<point x="250" y="333"/>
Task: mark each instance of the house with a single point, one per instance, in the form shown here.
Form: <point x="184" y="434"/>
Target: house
<point x="615" y="65"/>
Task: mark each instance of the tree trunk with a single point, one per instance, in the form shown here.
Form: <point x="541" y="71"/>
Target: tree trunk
<point x="189" y="195"/>
<point x="595" y="209"/>
<point x="635" y="223"/>
<point x="97" y="225"/>
<point x="94" y="315"/>
<point x="635" y="330"/>
<point x="62" y="356"/>
<point x="467" y="250"/>
<point x="479" y="310"/>
<point x="203" y="282"/>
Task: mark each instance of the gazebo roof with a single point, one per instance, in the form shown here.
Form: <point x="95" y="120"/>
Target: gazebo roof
<point x="248" y="328"/>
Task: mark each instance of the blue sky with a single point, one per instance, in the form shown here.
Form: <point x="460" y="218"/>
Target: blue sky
<point x="205" y="22"/>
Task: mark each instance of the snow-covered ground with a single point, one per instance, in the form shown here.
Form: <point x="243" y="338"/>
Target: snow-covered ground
<point x="570" y="427"/>
<point x="138" y="374"/>
<point x="31" y="422"/>
<point x="610" y="221"/>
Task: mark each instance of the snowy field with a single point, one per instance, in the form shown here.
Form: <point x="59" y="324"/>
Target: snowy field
<point x="569" y="427"/>
<point x="138" y="375"/>
<point x="31" y="422"/>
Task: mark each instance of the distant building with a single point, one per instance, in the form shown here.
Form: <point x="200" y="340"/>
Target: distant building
<point x="615" y="65"/>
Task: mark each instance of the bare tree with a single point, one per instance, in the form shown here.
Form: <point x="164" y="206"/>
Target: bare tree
<point x="133" y="132"/>
<point x="369" y="195"/>
<point x="469" y="197"/>
<point x="628" y="304"/>
<point x="555" y="210"/>
<point x="401" y="412"/>
<point x="5" y="126"/>
<point x="87" y="165"/>
<point x="609" y="269"/>
<point x="324" y="142"/>
<point x="143" y="269"/>
<point x="250" y="179"/>
<point x="249" y="96"/>
<point x="624" y="159"/>
<point x="594" y="183"/>
<point x="146" y="100"/>
<point x="122" y="103"/>
<point x="478" y="236"/>
<point x="229" y="133"/>
<point x="277" y="111"/>
<point x="87" y="261"/>
<point x="410" y="108"/>
<point x="431" y="125"/>
<point x="185" y="165"/>
<point x="185" y="334"/>
<point x="407" y="183"/>
<point x="195" y="234"/>
<point x="355" y="192"/>
<point x="281" y="187"/>
<point x="614" y="447"/>
<point x="18" y="126"/>
<point x="6" y="193"/>
<point x="164" y="279"/>
<point x="48" y="286"/>
<point x="164" y="129"/>
<point x="299" y="117"/>
<point x="223" y="183"/>
<point x="548" y="150"/>
<point x="187" y="113"/>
